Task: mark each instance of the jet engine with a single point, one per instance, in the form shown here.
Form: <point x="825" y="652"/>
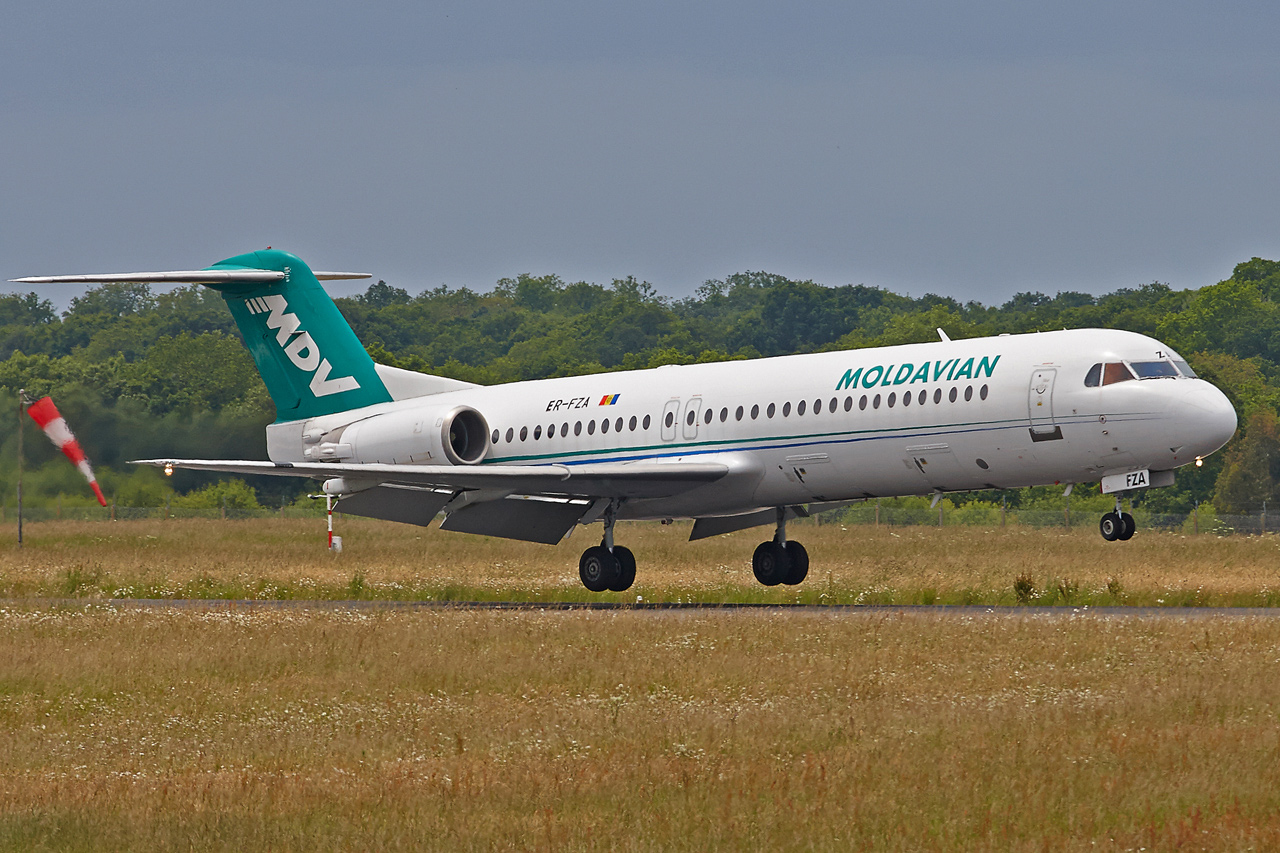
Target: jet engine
<point x="458" y="435"/>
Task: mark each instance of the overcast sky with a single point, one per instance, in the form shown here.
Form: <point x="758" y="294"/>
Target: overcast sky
<point x="969" y="149"/>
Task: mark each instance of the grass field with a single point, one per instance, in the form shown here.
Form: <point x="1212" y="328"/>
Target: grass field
<point x="278" y="558"/>
<point x="312" y="729"/>
<point x="315" y="730"/>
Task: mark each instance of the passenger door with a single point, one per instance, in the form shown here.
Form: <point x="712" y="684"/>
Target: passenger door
<point x="1040" y="405"/>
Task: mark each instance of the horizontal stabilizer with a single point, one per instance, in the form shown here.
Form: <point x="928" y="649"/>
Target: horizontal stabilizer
<point x="184" y="277"/>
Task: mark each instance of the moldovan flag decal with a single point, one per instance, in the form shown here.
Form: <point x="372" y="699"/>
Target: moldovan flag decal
<point x="45" y="413"/>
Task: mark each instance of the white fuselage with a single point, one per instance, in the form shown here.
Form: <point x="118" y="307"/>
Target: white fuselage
<point x="997" y="412"/>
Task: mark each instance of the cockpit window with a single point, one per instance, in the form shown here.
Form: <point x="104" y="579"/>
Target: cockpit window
<point x="1114" y="372"/>
<point x="1153" y="369"/>
<point x="1093" y="378"/>
<point x="1184" y="369"/>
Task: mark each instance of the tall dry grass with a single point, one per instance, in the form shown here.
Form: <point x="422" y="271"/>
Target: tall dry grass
<point x="276" y="558"/>
<point x="316" y="730"/>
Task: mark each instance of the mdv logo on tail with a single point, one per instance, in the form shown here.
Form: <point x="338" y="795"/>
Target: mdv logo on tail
<point x="302" y="349"/>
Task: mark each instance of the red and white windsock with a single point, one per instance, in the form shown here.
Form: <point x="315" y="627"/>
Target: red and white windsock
<point x="45" y="413"/>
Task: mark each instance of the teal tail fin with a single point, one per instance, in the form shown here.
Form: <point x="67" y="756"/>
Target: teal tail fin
<point x="311" y="361"/>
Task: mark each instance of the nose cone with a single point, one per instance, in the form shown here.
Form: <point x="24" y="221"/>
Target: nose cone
<point x="1209" y="417"/>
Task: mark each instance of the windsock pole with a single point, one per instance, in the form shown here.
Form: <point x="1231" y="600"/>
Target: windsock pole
<point x="22" y="406"/>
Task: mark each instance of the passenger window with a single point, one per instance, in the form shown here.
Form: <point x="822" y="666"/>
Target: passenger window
<point x="769" y="411"/>
<point x="524" y="433"/>
<point x="848" y="405"/>
<point x="1115" y="372"/>
<point x="688" y="421"/>
<point x="893" y="398"/>
<point x="631" y="424"/>
<point x="617" y="425"/>
<point x="924" y="395"/>
<point x="937" y="396"/>
<point x="817" y="407"/>
<point x="862" y="404"/>
<point x="511" y="434"/>
<point x="968" y="393"/>
<point x="564" y="429"/>
<point x="906" y="398"/>
<point x="707" y="417"/>
<point x="800" y="407"/>
<point x="983" y="392"/>
<point x="952" y="396"/>
<point x="1093" y="378"/>
<point x="737" y="416"/>
<point x="495" y="436"/>
<point x="591" y="427"/>
<point x="604" y="426"/>
<point x="537" y="432"/>
<point x="671" y="418"/>
<point x="875" y="402"/>
<point x="755" y="411"/>
<point x="577" y="428"/>
<point x="724" y="415"/>
<point x="786" y="410"/>
<point x="646" y="421"/>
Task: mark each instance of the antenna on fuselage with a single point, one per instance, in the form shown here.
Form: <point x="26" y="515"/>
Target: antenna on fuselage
<point x="943" y="335"/>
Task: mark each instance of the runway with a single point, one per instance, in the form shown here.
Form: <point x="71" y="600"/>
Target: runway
<point x="938" y="610"/>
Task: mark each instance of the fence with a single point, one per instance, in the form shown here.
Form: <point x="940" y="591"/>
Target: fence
<point x="868" y="513"/>
<point x="135" y="513"/>
<point x="987" y="515"/>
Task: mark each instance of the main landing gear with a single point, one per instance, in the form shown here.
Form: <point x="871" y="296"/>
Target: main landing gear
<point x="1117" y="525"/>
<point x="607" y="566"/>
<point x="779" y="561"/>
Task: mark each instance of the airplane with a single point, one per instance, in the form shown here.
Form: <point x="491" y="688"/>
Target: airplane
<point x="732" y="445"/>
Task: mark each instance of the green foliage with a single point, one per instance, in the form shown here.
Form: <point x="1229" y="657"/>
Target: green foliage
<point x="1251" y="470"/>
<point x="233" y="494"/>
<point x="142" y="374"/>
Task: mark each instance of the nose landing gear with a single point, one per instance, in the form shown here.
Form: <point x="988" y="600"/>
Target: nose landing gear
<point x="779" y="560"/>
<point x="1117" y="525"/>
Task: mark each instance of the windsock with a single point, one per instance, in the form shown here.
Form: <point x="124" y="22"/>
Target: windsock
<point x="45" y="413"/>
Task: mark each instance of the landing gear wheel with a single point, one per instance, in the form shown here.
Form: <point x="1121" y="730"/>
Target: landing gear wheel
<point x="626" y="569"/>
<point x="770" y="563"/>
<point x="1129" y="527"/>
<point x="1111" y="526"/>
<point x="799" y="559"/>
<point x="598" y="568"/>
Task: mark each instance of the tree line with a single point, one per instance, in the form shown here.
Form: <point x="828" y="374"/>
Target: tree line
<point x="142" y="373"/>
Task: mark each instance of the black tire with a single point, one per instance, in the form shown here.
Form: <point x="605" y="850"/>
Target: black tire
<point x="598" y="568"/>
<point x="799" y="558"/>
<point x="770" y="563"/>
<point x="1127" y="527"/>
<point x="626" y="569"/>
<point x="1111" y="526"/>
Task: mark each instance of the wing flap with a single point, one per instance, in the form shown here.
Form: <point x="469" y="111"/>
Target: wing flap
<point x="527" y="519"/>
<point x="405" y="504"/>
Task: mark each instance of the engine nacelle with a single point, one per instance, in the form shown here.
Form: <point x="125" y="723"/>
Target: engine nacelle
<point x="455" y="436"/>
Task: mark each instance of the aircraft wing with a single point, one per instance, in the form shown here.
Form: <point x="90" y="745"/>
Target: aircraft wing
<point x="603" y="480"/>
<point x="533" y="503"/>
